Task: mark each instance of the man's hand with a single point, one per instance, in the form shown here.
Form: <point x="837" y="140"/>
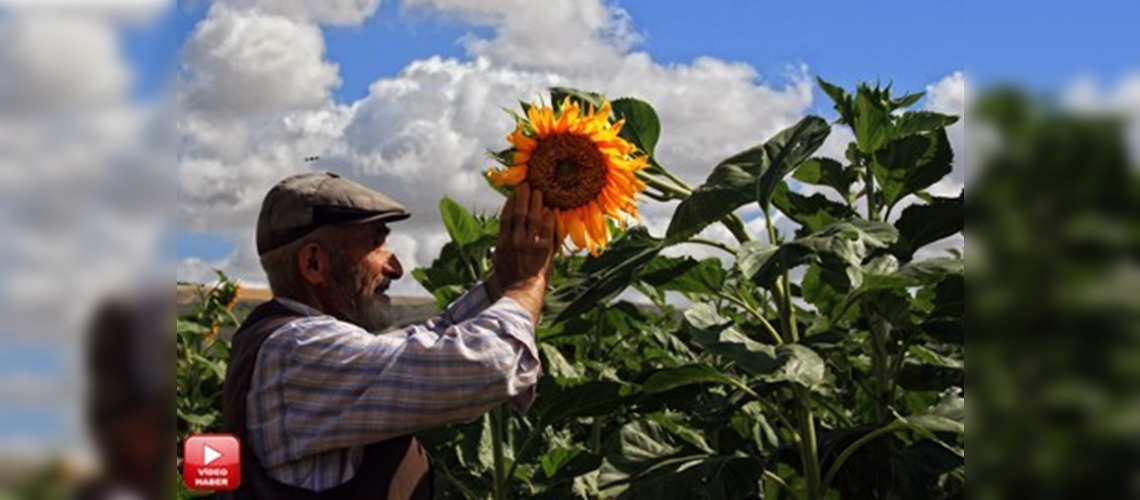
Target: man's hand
<point x="525" y="250"/>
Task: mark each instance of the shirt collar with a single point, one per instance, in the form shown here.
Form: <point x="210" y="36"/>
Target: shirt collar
<point x="299" y="307"/>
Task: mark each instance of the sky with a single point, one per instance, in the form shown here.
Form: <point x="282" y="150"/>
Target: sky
<point x="391" y="93"/>
<point x="745" y="63"/>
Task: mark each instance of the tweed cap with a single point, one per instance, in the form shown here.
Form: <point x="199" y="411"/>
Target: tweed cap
<point x="302" y="203"/>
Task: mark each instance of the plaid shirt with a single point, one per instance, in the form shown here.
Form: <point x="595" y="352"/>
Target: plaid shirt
<point x="323" y="388"/>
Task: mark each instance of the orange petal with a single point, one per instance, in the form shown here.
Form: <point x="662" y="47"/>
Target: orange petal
<point x="521" y="141"/>
<point x="507" y="177"/>
<point x="560" y="220"/>
<point x="577" y="228"/>
<point x="601" y="228"/>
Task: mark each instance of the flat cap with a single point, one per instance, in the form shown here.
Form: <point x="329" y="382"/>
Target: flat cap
<point x="302" y="203"/>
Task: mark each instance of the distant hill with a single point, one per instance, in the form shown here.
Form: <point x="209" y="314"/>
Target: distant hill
<point x="407" y="309"/>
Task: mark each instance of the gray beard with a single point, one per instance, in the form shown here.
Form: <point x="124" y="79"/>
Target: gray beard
<point x="357" y="297"/>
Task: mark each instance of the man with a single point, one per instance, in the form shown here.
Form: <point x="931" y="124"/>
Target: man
<point x="326" y="409"/>
<point x="130" y="355"/>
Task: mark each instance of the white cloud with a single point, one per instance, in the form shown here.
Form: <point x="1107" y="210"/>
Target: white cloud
<point x="245" y="63"/>
<point x="60" y="63"/>
<point x="84" y="176"/>
<point x="948" y="96"/>
<point x="422" y="134"/>
<point x="1086" y="94"/>
<point x="560" y="35"/>
<point x="335" y="12"/>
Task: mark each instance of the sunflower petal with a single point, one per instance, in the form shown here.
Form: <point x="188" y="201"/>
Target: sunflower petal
<point x="577" y="227"/>
<point x="507" y="177"/>
<point x="520" y="140"/>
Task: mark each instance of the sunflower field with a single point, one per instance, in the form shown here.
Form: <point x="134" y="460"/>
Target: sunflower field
<point x="824" y="360"/>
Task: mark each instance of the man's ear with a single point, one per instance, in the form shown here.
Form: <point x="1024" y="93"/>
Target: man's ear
<point x="313" y="262"/>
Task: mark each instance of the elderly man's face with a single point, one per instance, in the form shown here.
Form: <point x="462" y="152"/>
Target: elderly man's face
<point x="362" y="269"/>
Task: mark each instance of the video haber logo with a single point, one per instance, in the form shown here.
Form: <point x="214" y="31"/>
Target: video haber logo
<point x="211" y="462"/>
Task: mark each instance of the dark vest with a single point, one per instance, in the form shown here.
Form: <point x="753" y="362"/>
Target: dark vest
<point x="397" y="468"/>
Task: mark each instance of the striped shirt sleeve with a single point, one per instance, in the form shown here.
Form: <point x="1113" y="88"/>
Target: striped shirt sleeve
<point x="322" y="384"/>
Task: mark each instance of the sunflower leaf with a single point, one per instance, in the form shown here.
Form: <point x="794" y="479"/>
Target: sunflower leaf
<point x="911" y="163"/>
<point x="460" y="224"/>
<point x="749" y="176"/>
<point x="840" y="247"/>
<point x="583" y="98"/>
<point x="813" y="212"/>
<point x="602" y="278"/>
<point x="920" y="225"/>
<point x="642" y="127"/>
<point x="827" y="172"/>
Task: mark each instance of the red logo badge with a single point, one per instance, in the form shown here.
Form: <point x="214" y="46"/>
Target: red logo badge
<point x="211" y="462"/>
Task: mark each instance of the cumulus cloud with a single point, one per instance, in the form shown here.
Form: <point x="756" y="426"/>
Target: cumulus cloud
<point x="84" y="176"/>
<point x="59" y="63"/>
<point x="1121" y="99"/>
<point x="333" y="12"/>
<point x="564" y="35"/>
<point x="245" y="62"/>
<point x="423" y="133"/>
<point x="948" y="96"/>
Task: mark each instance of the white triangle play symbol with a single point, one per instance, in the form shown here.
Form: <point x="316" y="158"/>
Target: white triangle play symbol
<point x="209" y="454"/>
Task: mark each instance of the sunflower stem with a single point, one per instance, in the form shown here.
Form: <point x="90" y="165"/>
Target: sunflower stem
<point x="658" y="196"/>
<point x="664" y="187"/>
<point x="752" y="310"/>
<point x="714" y="244"/>
<point x="676" y="180"/>
<point x="735" y="225"/>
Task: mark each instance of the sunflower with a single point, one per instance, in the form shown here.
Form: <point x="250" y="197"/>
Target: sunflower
<point x="586" y="173"/>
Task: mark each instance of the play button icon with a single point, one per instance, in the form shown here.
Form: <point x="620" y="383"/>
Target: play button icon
<point x="211" y="462"/>
<point x="209" y="454"/>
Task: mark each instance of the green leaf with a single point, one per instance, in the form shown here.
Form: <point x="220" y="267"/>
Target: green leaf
<point x="872" y="125"/>
<point x="841" y="246"/>
<point x="216" y="368"/>
<point x="676" y="424"/>
<point x="827" y="172"/>
<point x="785" y="363"/>
<point x="948" y="415"/>
<point x="583" y="98"/>
<point x="602" y="278"/>
<point x="719" y="336"/>
<point x="642" y="127"/>
<point x="560" y="465"/>
<point x="599" y="397"/>
<point x="921" y="225"/>
<point x="786" y="151"/>
<point x="843" y="102"/>
<point x="813" y="212"/>
<point x="820" y="291"/>
<point x="749" y="176"/>
<point x="557" y="365"/>
<point x="914" y="274"/>
<point x="669" y="379"/>
<point x="555" y="458"/>
<point x="950" y="298"/>
<point x="461" y="225"/>
<point x="798" y="364"/>
<point x="685" y="274"/>
<point x="907" y="100"/>
<point x="475" y="450"/>
<point x="914" y="122"/>
<point x="645" y="461"/>
<point x="910" y="164"/>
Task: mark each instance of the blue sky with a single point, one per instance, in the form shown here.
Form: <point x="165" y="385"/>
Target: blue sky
<point x="1042" y="45"/>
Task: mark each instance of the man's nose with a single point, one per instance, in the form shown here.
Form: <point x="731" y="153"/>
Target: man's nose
<point x="394" y="269"/>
